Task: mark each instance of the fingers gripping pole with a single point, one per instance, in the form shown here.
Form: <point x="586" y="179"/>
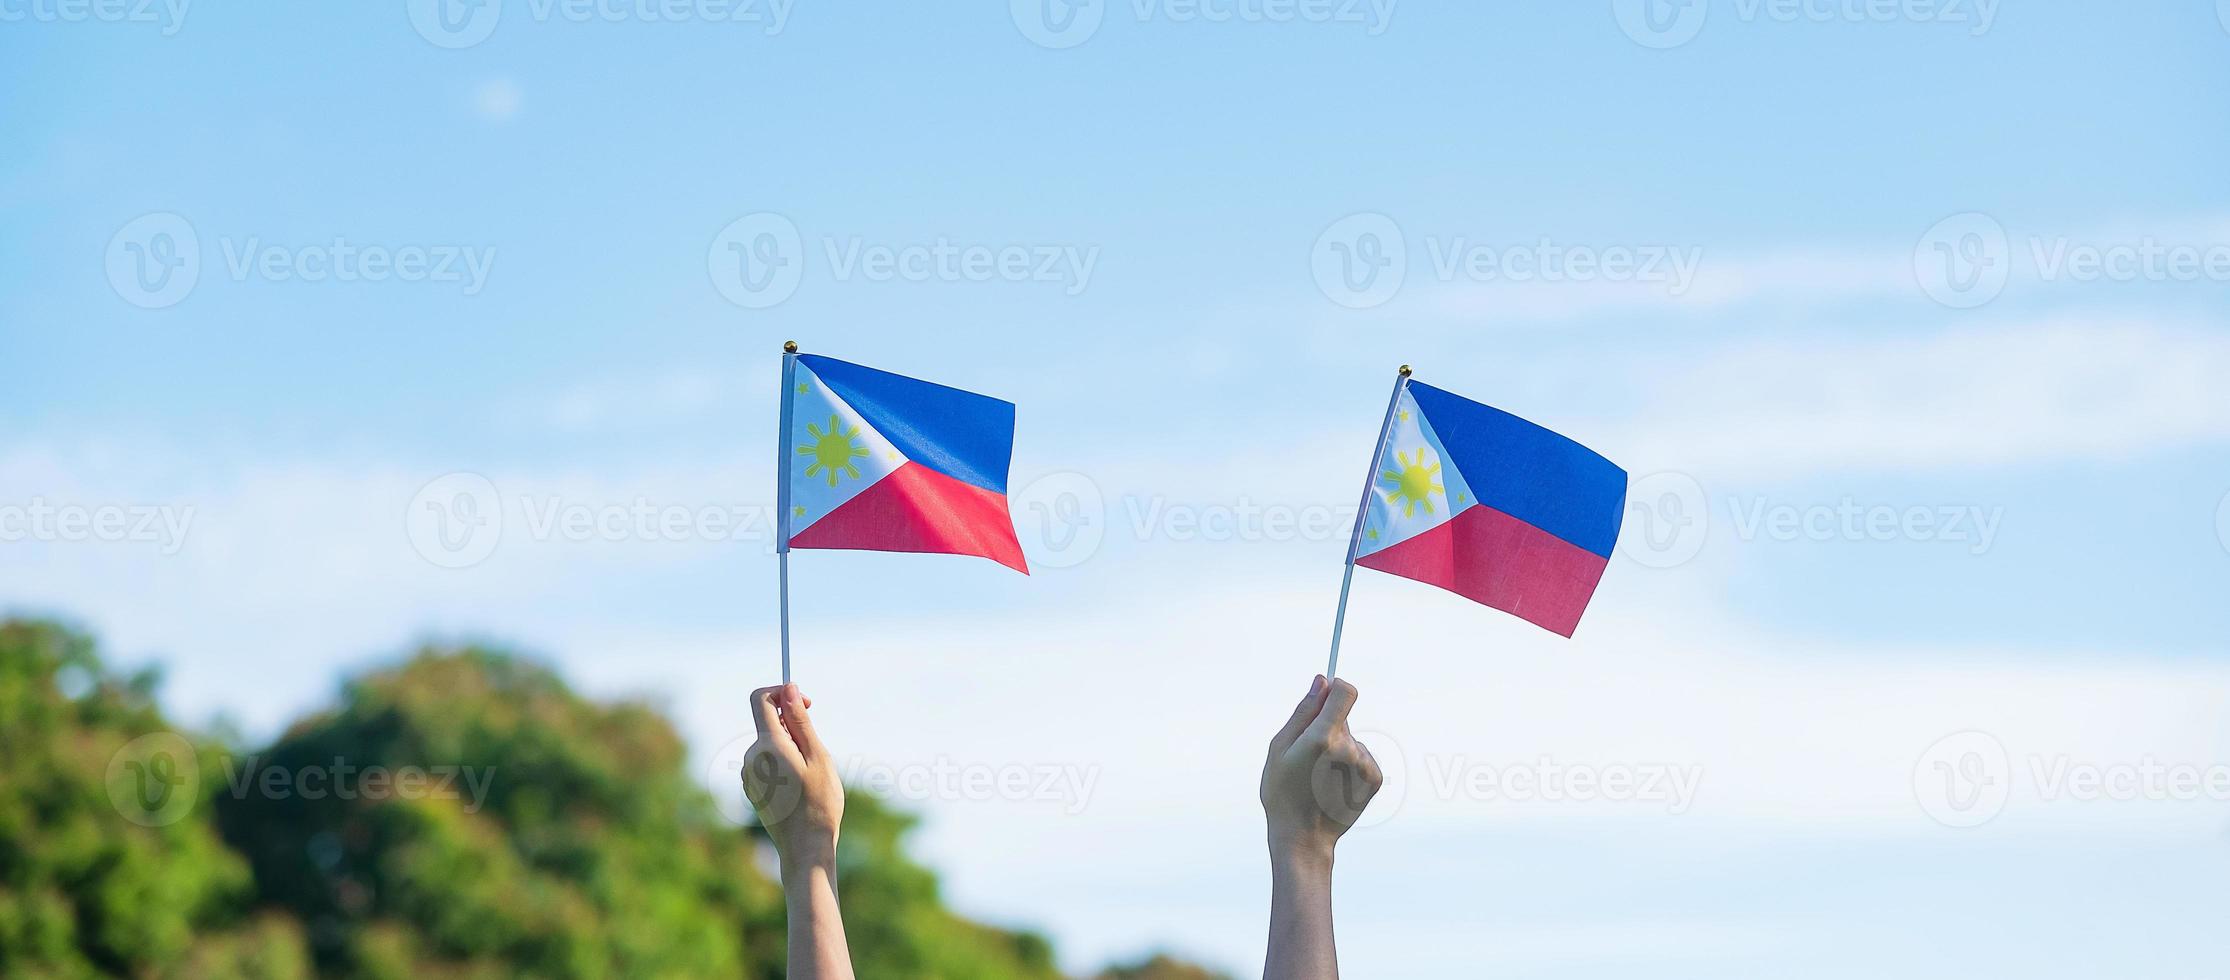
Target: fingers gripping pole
<point x="1362" y="510"/>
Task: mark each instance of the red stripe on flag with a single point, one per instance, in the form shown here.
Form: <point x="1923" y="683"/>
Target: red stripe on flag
<point x="1488" y="556"/>
<point x="920" y="510"/>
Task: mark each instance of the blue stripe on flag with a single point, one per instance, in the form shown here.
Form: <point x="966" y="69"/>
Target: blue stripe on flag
<point x="964" y="435"/>
<point x="1528" y="472"/>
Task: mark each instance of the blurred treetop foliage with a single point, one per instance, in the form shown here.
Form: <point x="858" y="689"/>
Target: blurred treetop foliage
<point x="552" y="836"/>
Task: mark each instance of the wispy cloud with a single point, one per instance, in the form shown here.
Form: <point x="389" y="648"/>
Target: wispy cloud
<point x="1816" y="279"/>
<point x="2015" y="392"/>
<point x="2005" y="258"/>
<point x="626" y="401"/>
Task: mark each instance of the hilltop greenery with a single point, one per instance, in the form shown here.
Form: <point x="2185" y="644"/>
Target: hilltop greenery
<point x="543" y="834"/>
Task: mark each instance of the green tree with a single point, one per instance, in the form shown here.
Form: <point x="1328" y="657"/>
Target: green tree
<point x="547" y="835"/>
<point x="591" y="853"/>
<point x="109" y="862"/>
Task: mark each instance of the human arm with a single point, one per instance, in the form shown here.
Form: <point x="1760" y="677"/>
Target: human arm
<point x="1315" y="784"/>
<point x="792" y="782"/>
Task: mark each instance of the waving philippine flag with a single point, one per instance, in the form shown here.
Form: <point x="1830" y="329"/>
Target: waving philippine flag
<point x="1489" y="506"/>
<point x="875" y="461"/>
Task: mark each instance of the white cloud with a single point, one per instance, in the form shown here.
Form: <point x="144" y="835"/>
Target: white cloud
<point x="1820" y="279"/>
<point x="2001" y="392"/>
<point x="2057" y="389"/>
<point x="1815" y="279"/>
<point x="626" y="402"/>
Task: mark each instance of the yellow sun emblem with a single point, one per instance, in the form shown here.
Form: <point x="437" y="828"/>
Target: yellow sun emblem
<point x="833" y="450"/>
<point x="1413" y="483"/>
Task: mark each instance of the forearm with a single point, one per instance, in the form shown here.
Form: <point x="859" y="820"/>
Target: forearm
<point x="816" y="927"/>
<point x="1300" y="914"/>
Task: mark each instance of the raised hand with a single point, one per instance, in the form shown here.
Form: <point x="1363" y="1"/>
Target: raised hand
<point x="1318" y="778"/>
<point x="792" y="782"/>
<point x="1315" y="784"/>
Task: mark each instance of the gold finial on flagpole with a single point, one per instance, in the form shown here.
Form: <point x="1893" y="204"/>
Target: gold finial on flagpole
<point x="1405" y="370"/>
<point x="791" y="347"/>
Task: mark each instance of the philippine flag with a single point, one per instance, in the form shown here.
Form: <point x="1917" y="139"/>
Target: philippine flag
<point x="1491" y="507"/>
<point x="875" y="461"/>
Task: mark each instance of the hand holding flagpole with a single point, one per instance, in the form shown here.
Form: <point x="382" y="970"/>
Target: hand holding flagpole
<point x="1362" y="511"/>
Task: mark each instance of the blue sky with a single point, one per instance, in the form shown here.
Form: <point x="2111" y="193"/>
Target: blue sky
<point x="1884" y="310"/>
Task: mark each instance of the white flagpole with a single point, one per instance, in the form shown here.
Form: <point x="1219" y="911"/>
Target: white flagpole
<point x="1362" y="510"/>
<point x="782" y="494"/>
